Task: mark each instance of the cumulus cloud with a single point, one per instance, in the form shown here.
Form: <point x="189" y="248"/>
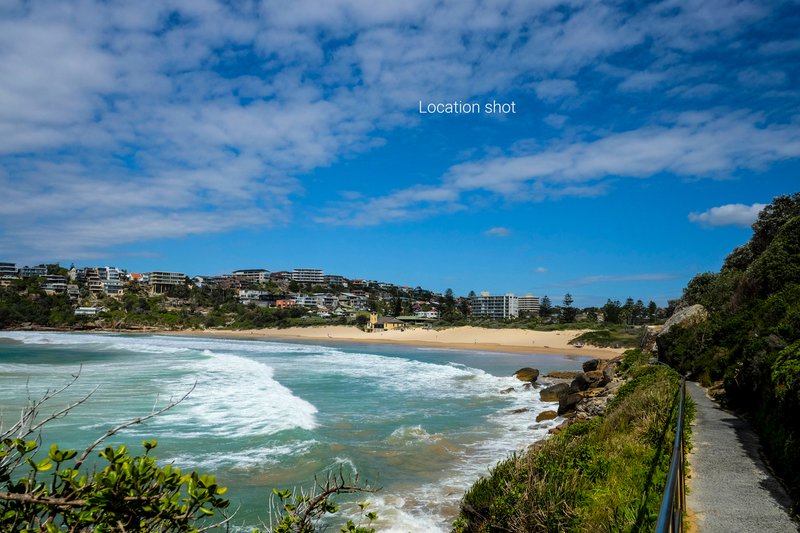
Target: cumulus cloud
<point x="498" y="232"/>
<point x="728" y="215"/>
<point x="204" y="116"/>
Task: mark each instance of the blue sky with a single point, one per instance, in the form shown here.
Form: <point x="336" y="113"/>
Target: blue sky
<point x="205" y="136"/>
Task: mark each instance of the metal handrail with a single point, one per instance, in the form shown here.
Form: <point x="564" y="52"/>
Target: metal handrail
<point x="673" y="503"/>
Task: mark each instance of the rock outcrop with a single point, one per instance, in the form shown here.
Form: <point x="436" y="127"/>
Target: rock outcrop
<point x="546" y="415"/>
<point x="588" y="394"/>
<point x="527" y="374"/>
<point x="688" y="316"/>
<point x="591" y="364"/>
<point x="553" y="392"/>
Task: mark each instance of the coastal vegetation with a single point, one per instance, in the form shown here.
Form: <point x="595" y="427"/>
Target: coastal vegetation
<point x="749" y="346"/>
<point x="604" y="474"/>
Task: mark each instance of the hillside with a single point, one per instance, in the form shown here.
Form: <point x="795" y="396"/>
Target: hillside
<point x="750" y="344"/>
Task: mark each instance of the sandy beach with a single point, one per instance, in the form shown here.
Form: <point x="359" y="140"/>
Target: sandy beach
<point x="462" y="338"/>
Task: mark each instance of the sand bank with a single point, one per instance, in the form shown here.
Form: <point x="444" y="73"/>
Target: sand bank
<point x="462" y="338"/>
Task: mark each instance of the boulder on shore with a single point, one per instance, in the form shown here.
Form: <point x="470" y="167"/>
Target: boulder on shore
<point x="591" y="364"/>
<point x="507" y="391"/>
<point x="553" y="392"/>
<point x="527" y="374"/>
<point x="546" y="415"/>
<point x="580" y="383"/>
<point x="568" y="402"/>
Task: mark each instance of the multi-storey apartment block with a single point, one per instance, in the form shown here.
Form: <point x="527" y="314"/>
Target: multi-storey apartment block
<point x="31" y="272"/>
<point x="8" y="272"/>
<point x="486" y="305"/>
<point x="332" y="280"/>
<point x="256" y="275"/>
<point x="529" y="305"/>
<point x="163" y="281"/>
<point x="54" y="284"/>
<point x="308" y="275"/>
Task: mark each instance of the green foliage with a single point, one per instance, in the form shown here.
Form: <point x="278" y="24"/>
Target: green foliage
<point x="712" y="291"/>
<point x="302" y="512"/>
<point x="752" y="338"/>
<point x="131" y="493"/>
<point x="606" y="474"/>
<point x="779" y="264"/>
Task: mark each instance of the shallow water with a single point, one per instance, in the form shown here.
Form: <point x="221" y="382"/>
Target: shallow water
<point x="421" y="423"/>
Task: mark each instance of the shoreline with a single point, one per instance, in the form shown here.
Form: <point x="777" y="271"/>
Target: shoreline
<point x="467" y="338"/>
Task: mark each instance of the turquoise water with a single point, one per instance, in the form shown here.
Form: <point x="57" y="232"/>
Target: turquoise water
<point x="421" y="423"/>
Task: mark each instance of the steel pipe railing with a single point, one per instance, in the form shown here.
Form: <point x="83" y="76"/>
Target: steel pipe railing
<point x="673" y="503"/>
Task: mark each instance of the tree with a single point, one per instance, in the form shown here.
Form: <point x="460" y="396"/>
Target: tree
<point x="638" y="312"/>
<point x="569" y="313"/>
<point x="397" y="307"/>
<point x="545" y="307"/>
<point x="448" y="304"/>
<point x="612" y="312"/>
<point x="652" y="311"/>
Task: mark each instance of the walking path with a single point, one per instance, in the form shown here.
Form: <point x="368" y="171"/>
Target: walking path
<point x="730" y="488"/>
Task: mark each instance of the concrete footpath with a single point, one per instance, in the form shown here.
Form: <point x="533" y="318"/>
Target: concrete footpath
<point x="730" y="488"/>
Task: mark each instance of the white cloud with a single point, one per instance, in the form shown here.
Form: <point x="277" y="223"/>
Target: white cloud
<point x="728" y="215"/>
<point x="121" y="113"/>
<point x="555" y="120"/>
<point x="541" y="270"/>
<point x="698" y="144"/>
<point x="498" y="232"/>
<point x="551" y="90"/>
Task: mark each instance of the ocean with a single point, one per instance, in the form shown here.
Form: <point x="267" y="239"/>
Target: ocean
<point x="422" y="424"/>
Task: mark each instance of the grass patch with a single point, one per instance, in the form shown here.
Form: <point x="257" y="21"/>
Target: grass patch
<point x="604" y="338"/>
<point x="604" y="475"/>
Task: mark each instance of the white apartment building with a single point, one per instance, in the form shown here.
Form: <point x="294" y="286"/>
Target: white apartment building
<point x="486" y="305"/>
<point x="31" y="272"/>
<point x="529" y="304"/>
<point x="308" y="275"/>
<point x="54" y="284"/>
<point x="162" y="281"/>
<point x="255" y="275"/>
<point x="8" y="271"/>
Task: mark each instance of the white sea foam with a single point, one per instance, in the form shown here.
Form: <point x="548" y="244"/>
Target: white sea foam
<point x="245" y="459"/>
<point x="409" y="436"/>
<point x="421" y="379"/>
<point x="236" y="397"/>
